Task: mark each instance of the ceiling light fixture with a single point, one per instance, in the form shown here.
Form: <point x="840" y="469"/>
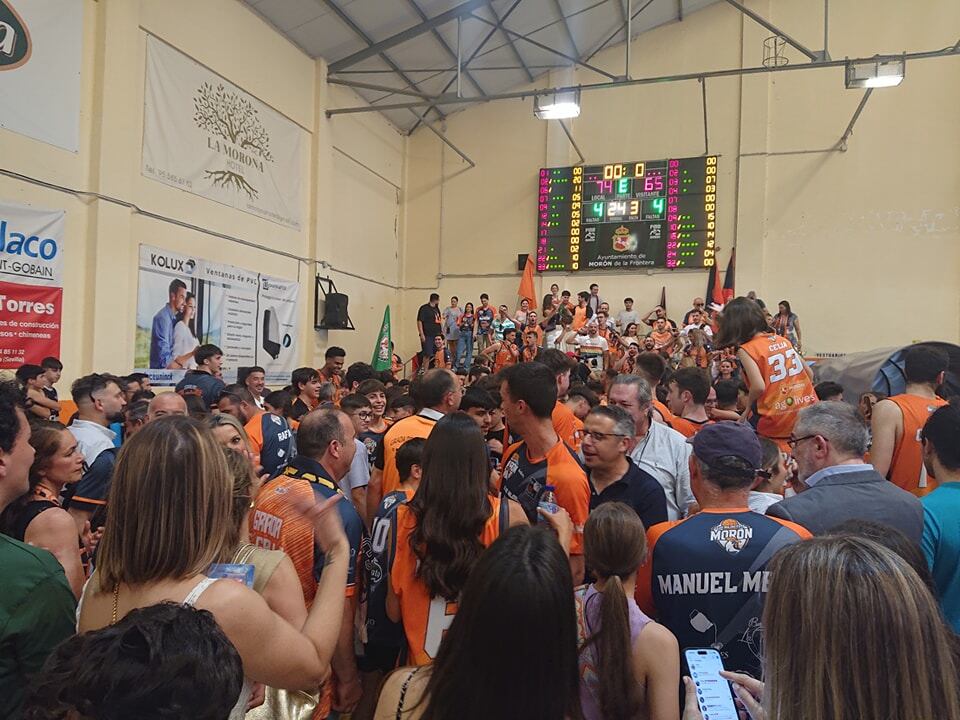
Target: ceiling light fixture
<point x="878" y="72"/>
<point x="557" y="106"/>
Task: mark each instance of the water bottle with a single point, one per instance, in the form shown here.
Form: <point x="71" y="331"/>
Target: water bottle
<point x="548" y="502"/>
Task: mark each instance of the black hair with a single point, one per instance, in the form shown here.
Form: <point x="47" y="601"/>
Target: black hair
<point x="386" y="377"/>
<point x="282" y="401"/>
<point x="137" y="377"/>
<point x="301" y="376"/>
<point x="726" y="391"/>
<point x="51" y="363"/>
<point x="147" y="395"/>
<point x="558" y="362"/>
<point x="476" y="397"/>
<point x="357" y="373"/>
<point x="477" y="371"/>
<point x="694" y="381"/>
<point x="533" y="383"/>
<point x="434" y="296"/>
<point x="371" y="385"/>
<point x="237" y="393"/>
<point x="484" y="296"/>
<point x="245" y="372"/>
<point x="334" y="351"/>
<point x="923" y="364"/>
<point x="594" y="285"/>
<point x="176" y="285"/>
<point x="83" y="388"/>
<point x="740" y="320"/>
<point x="162" y="661"/>
<point x="451" y="506"/>
<point x="403" y="400"/>
<point x="205" y="352"/>
<point x="652" y="366"/>
<point x="136" y="411"/>
<point x="786" y="304"/>
<point x="28" y="372"/>
<point x="408" y="455"/>
<point x="942" y="431"/>
<point x="429" y="389"/>
<point x="628" y="299"/>
<point x="196" y="408"/>
<point x="828" y="389"/>
<point x="519" y="589"/>
<point x="354" y="401"/>
<point x="582" y="391"/>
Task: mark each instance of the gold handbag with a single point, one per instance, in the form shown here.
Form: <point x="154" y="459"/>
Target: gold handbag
<point x="285" y="705"/>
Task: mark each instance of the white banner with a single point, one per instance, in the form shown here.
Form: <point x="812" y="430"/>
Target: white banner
<point x="185" y="301"/>
<point x="40" y="55"/>
<point x="31" y="245"/>
<point x="205" y="135"/>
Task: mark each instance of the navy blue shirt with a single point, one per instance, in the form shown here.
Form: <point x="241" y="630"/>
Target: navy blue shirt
<point x="197" y="382"/>
<point x="638" y="489"/>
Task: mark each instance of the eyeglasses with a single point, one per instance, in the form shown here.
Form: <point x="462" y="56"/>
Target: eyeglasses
<point x="793" y="442"/>
<point x="600" y="437"/>
<point x="364" y="415"/>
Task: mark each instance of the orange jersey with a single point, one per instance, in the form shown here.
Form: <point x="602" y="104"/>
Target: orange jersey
<point x="579" y="318"/>
<point x="668" y="417"/>
<point x="529" y="354"/>
<point x="440" y="359"/>
<point x="907" y="470"/>
<point x="535" y="328"/>
<point x="523" y="480"/>
<point x="687" y="428"/>
<point x="415" y="426"/>
<point x="567" y="425"/>
<point x="506" y="356"/>
<point x="787" y="387"/>
<point x="425" y="619"/>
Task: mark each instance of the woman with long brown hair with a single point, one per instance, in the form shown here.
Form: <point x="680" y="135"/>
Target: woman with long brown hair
<point x="851" y="632"/>
<point x="629" y="665"/>
<point x="442" y="532"/>
<point x="170" y="518"/>
<point x="779" y="381"/>
<point x="36" y="518"/>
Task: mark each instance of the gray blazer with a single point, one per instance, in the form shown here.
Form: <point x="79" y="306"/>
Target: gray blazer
<point x="864" y="495"/>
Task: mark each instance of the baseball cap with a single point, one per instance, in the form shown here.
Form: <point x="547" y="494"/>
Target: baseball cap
<point x="727" y="438"/>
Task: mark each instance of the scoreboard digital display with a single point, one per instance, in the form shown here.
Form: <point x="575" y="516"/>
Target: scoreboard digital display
<point x="646" y="214"/>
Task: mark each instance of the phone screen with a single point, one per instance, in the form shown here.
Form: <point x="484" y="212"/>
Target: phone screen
<point x="714" y="695"/>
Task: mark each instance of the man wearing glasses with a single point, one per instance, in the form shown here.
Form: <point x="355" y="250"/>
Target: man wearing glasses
<point x="833" y="482"/>
<point x="613" y="476"/>
<point x="354" y="483"/>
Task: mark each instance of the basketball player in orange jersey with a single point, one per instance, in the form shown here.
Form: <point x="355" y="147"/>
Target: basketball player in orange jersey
<point x="442" y="532"/>
<point x="780" y="384"/>
<point x="897" y="451"/>
<point x="504" y="352"/>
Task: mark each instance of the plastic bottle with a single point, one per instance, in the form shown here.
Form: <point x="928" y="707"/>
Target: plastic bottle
<point x="548" y="501"/>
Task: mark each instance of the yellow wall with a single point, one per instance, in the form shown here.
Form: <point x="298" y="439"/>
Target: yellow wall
<point x="865" y="244"/>
<point x="101" y="245"/>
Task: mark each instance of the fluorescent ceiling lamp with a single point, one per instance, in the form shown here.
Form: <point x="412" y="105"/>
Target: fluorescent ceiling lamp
<point x="558" y="106"/>
<point x="875" y="73"/>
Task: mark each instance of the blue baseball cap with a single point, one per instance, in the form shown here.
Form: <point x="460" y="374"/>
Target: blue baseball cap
<point x="725" y="439"/>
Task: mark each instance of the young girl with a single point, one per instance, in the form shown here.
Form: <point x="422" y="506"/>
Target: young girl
<point x="779" y="381"/>
<point x="464" y="357"/>
<point x="629" y="665"/>
<point x="695" y="354"/>
<point x="771" y="480"/>
<point x="521" y="317"/>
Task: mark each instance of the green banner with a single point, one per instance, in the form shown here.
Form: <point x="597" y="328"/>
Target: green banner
<point x="382" y="356"/>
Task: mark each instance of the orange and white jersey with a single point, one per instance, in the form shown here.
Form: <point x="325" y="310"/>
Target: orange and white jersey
<point x="426" y="619"/>
<point x="907" y="470"/>
<point x="787" y="387"/>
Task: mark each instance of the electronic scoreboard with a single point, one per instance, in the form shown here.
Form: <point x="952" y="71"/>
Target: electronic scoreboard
<point x="646" y="214"/>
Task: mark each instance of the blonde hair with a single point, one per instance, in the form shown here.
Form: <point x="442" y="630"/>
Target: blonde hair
<point x="241" y="477"/>
<point x="851" y="633"/>
<point x="220" y="419"/>
<point x="169" y="507"/>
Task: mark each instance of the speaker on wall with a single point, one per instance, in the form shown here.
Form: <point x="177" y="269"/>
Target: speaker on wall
<point x="335" y="314"/>
<point x="522" y="261"/>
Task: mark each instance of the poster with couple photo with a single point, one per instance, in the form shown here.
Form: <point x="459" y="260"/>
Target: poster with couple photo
<point x="185" y="301"/>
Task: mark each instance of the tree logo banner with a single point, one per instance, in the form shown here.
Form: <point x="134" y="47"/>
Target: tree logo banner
<point x="204" y="135"/>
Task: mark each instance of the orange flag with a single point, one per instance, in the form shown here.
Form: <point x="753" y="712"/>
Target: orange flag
<point x="526" y="283"/>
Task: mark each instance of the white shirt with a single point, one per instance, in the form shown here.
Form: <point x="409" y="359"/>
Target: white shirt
<point x="760" y="501"/>
<point x="184" y="342"/>
<point x="664" y="453"/>
<point x="591" y="345"/>
<point x="708" y="331"/>
<point x="92" y="439"/>
<point x="359" y="473"/>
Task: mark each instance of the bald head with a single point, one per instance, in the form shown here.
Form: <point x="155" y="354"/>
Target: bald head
<point x="168" y="403"/>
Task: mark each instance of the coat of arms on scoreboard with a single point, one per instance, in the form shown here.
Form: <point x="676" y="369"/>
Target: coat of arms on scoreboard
<point x="624" y="240"/>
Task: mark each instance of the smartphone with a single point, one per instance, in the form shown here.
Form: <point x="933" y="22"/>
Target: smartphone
<point x="714" y="694"/>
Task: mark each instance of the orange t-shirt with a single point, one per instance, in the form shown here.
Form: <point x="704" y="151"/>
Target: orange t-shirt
<point x="425" y="619"/>
<point x="907" y="470"/>
<point x="787" y="386"/>
<point x="415" y="426"/>
<point x="687" y="428"/>
<point x="668" y="417"/>
<point x="579" y="318"/>
<point x="506" y="356"/>
<point x="567" y="425"/>
<point x="535" y="328"/>
<point x="529" y="354"/>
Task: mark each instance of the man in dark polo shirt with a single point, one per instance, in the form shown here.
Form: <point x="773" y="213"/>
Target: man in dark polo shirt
<point x="428" y="325"/>
<point x="613" y="476"/>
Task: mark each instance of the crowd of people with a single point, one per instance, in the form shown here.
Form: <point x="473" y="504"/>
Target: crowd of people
<point x="536" y="524"/>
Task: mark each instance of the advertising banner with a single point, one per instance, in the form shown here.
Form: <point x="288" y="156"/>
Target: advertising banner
<point x="31" y="272"/>
<point x="40" y="58"/>
<point x="205" y="135"/>
<point x="185" y="301"/>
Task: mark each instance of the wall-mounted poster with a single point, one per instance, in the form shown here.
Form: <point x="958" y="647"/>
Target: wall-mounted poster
<point x="31" y="276"/>
<point x="205" y="135"/>
<point x="40" y="57"/>
<point x="185" y="301"/>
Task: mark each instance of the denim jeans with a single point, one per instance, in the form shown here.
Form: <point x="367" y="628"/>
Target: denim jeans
<point x="464" y="357"/>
